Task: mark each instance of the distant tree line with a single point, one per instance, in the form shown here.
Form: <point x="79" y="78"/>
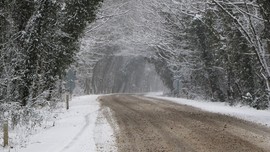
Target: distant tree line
<point x="121" y="74"/>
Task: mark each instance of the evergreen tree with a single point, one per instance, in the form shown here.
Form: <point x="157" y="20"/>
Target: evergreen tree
<point x="208" y="47"/>
<point x="38" y="42"/>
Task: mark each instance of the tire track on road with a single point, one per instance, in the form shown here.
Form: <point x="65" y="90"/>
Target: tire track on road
<point x="162" y="126"/>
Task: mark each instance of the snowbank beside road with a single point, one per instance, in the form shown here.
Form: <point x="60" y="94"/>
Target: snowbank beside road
<point x="239" y="111"/>
<point x="74" y="130"/>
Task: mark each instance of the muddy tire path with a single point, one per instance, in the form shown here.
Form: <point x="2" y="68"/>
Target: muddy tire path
<point x="152" y="125"/>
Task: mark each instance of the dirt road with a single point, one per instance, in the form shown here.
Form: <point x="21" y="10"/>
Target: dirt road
<point x="149" y="125"/>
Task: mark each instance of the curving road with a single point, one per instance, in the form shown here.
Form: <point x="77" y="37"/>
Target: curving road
<point x="153" y="125"/>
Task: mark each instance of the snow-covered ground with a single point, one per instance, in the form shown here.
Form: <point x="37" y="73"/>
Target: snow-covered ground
<point x="239" y="111"/>
<point x="84" y="128"/>
<point x="80" y="129"/>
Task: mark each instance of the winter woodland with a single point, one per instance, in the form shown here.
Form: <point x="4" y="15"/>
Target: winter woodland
<point x="214" y="50"/>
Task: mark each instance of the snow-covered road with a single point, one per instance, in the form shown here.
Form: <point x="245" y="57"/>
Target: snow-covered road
<point x="86" y="127"/>
<point x="149" y="124"/>
<point x="75" y="130"/>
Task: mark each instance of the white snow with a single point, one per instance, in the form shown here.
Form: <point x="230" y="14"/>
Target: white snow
<point x="243" y="112"/>
<point x="104" y="133"/>
<point x="75" y="130"/>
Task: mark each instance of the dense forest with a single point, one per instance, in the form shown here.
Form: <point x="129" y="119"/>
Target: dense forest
<point x="219" y="50"/>
<point x="215" y="50"/>
<point x="38" y="42"/>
